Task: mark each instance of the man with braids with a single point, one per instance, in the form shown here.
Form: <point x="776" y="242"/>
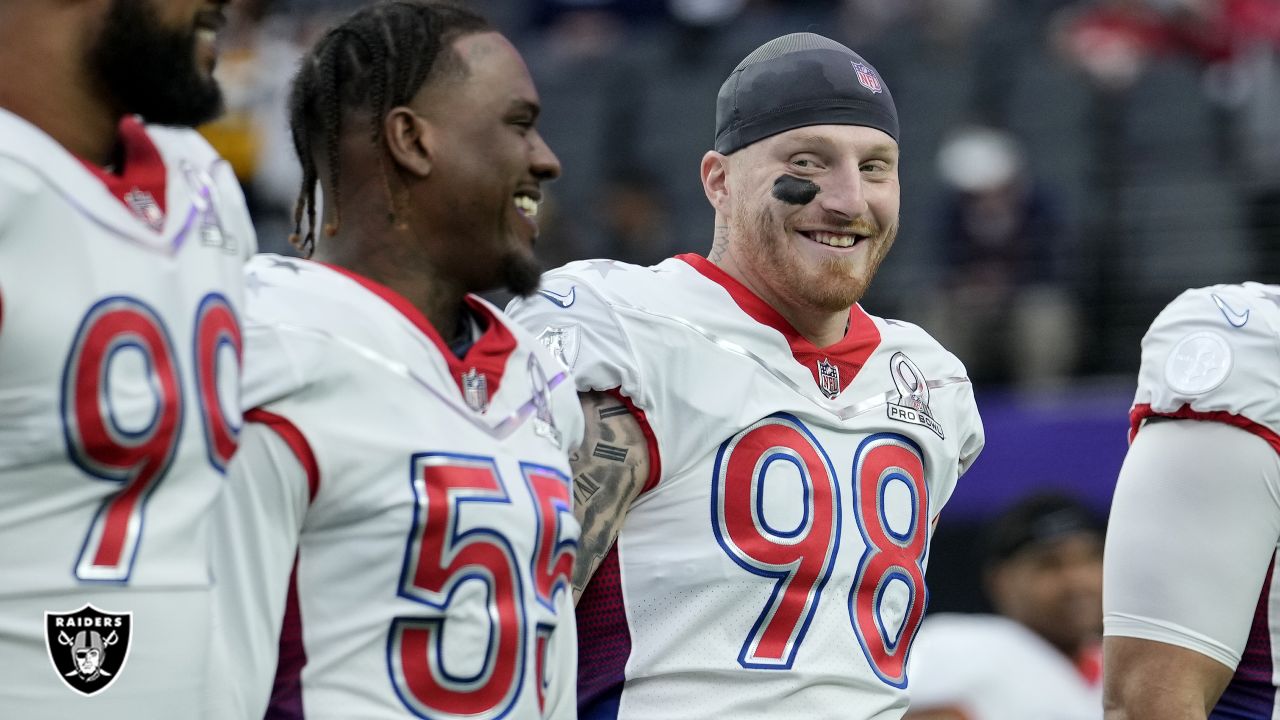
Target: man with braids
<point x="122" y="242"/>
<point x="402" y="494"/>
<point x="769" y="457"/>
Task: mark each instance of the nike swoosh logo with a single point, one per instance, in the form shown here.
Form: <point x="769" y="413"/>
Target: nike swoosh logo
<point x="564" y="300"/>
<point x="1235" y="318"/>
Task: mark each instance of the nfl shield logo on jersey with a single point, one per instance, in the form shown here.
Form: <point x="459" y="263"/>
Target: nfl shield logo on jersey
<point x="475" y="390"/>
<point x="912" y="405"/>
<point x="828" y="378"/>
<point x="867" y="77"/>
<point x="88" y="647"/>
<point x="144" y="206"/>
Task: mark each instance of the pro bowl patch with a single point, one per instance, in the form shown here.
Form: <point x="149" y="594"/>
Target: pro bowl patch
<point x="1199" y="363"/>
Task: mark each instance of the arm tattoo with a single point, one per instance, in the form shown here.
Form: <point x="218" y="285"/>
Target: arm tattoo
<point x="719" y="244"/>
<point x="609" y="469"/>
<point x="584" y="487"/>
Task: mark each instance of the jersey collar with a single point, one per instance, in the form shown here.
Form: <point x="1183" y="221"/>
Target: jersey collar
<point x="848" y="355"/>
<point x="488" y="355"/>
<point x="141" y="179"/>
<point x="87" y="190"/>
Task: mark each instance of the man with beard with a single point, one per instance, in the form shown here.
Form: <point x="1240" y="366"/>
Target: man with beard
<point x="401" y="497"/>
<point x="769" y="457"/>
<point x="122" y="243"/>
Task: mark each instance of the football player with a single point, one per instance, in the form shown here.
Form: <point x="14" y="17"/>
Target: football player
<point x="769" y="457"/>
<point x="1188" y="599"/>
<point x="402" y="493"/>
<point x="122" y="241"/>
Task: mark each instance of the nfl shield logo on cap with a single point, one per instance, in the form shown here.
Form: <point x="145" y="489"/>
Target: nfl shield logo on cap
<point x="867" y="77"/>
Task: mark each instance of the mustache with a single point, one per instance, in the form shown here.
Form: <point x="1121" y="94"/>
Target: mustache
<point x="857" y="226"/>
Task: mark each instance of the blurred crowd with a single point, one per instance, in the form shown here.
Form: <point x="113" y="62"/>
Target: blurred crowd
<point x="1068" y="165"/>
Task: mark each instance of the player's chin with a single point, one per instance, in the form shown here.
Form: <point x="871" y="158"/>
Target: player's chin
<point x="836" y="287"/>
<point x="521" y="272"/>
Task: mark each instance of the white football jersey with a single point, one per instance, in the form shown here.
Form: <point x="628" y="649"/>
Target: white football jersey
<point x="993" y="668"/>
<point x="120" y="305"/>
<point x="427" y="497"/>
<point x="774" y="567"/>
<point x="1212" y="355"/>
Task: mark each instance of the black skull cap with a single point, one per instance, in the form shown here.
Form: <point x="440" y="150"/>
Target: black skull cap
<point x="799" y="80"/>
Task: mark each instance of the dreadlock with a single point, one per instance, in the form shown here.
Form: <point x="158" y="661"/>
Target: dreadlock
<point x="377" y="59"/>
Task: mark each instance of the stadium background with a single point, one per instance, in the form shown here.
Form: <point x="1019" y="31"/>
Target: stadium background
<point x="1080" y="161"/>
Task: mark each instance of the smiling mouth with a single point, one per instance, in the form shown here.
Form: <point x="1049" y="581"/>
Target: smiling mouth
<point x="833" y="239"/>
<point x="526" y="205"/>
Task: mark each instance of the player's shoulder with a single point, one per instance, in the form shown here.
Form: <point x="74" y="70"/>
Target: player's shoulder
<point x="1213" y="349"/>
<point x="594" y="296"/>
<point x="602" y="282"/>
<point x="294" y="291"/>
<point x="1221" y="307"/>
<point x="1222" y="321"/>
<point x="900" y="336"/>
<point x="24" y="149"/>
<point x="527" y="342"/>
<point x="20" y="185"/>
<point x="181" y="141"/>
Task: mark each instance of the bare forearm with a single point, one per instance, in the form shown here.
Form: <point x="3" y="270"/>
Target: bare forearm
<point x="1145" y="679"/>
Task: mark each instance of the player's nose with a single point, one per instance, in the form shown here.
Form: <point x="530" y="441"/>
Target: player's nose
<point x="843" y="194"/>
<point x="543" y="162"/>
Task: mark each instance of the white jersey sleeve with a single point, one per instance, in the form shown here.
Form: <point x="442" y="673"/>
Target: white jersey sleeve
<point x="584" y="333"/>
<point x="1193" y="526"/>
<point x="262" y="507"/>
<point x="1208" y="359"/>
<point x="1212" y="354"/>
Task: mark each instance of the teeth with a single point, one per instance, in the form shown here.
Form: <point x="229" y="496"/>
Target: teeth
<point x="835" y="240"/>
<point x="207" y="35"/>
<point x="526" y="205"/>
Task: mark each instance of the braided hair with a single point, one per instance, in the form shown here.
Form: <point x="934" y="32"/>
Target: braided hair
<point x="377" y="59"/>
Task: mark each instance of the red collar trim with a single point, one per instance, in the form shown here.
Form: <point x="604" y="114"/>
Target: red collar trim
<point x="489" y="354"/>
<point x="848" y="355"/>
<point x="143" y="173"/>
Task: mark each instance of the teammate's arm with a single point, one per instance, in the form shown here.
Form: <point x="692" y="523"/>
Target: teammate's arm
<point x="1153" y="679"/>
<point x="609" y="470"/>
<point x="1193" y="527"/>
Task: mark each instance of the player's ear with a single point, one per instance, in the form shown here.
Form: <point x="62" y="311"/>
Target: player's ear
<point x="715" y="180"/>
<point x="409" y="139"/>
